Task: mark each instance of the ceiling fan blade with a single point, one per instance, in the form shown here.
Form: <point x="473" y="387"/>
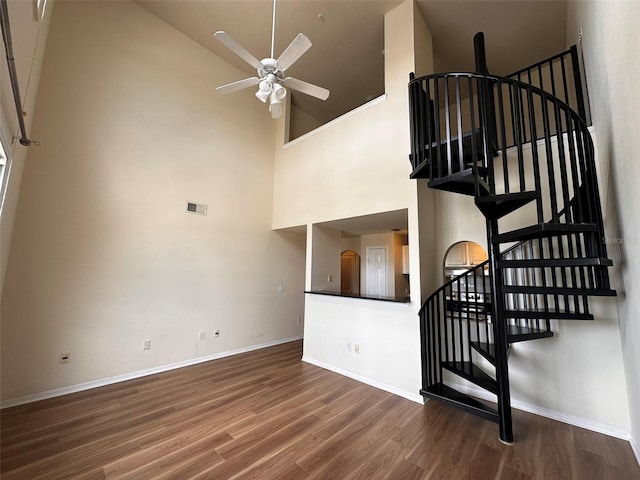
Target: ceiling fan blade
<point x="239" y="85"/>
<point x="238" y="49"/>
<point x="294" y="51"/>
<point x="308" y="88"/>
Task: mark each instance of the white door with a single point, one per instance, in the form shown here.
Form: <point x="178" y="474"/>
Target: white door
<point x="377" y="271"/>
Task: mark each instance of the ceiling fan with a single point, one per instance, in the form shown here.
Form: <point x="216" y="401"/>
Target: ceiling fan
<point x="271" y="72"/>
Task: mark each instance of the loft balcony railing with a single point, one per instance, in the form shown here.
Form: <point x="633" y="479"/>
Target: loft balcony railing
<point x="482" y="124"/>
<point x="561" y="76"/>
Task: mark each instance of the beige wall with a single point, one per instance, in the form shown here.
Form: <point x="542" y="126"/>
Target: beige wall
<point x="29" y="39"/>
<point x="326" y="248"/>
<point x="610" y="44"/>
<point x="104" y="255"/>
<point x="358" y="165"/>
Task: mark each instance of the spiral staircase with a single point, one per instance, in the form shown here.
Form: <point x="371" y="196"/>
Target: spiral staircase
<point x="519" y="145"/>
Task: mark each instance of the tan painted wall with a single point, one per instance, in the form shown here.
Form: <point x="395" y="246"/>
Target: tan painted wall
<point x="611" y="42"/>
<point x="345" y="170"/>
<point x="325" y="270"/>
<point x="355" y="166"/>
<point x="29" y="39"/>
<point x="104" y="255"/>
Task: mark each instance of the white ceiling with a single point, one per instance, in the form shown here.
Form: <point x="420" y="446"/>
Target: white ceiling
<point x="347" y="52"/>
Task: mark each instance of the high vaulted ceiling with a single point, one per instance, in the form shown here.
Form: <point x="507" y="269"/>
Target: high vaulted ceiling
<point x="348" y="38"/>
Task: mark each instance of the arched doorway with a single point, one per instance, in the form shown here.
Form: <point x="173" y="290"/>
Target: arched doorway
<point x="349" y="272"/>
<point x="462" y="256"/>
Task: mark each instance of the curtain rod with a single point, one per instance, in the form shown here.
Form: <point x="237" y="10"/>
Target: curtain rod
<point x="6" y="36"/>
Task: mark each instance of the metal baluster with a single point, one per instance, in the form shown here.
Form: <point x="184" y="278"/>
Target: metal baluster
<point x="459" y="121"/>
<point x="436" y="97"/>
<point x="502" y="145"/>
<point x="447" y="118"/>
<point x="429" y="128"/>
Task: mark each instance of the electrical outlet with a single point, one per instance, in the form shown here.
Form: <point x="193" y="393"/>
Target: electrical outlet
<point x="64" y="358"/>
<point x="147" y="345"/>
<point x="356" y="348"/>
<point x="216" y="333"/>
<point x="201" y="336"/>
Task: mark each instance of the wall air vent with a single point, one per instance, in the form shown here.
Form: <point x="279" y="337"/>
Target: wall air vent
<point x="197" y="208"/>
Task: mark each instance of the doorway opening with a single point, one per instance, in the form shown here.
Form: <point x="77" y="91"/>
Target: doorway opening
<point x="350" y="273"/>
<point x="377" y="271"/>
<point x="462" y="256"/>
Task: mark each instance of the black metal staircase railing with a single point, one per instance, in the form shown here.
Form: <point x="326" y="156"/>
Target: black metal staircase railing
<point x="556" y="174"/>
<point x="560" y="76"/>
<point x="514" y="147"/>
<point x="449" y="136"/>
<point x="456" y="324"/>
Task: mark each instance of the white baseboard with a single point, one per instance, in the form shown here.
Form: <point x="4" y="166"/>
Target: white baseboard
<point x="369" y="381"/>
<point x="140" y="373"/>
<point x="552" y="414"/>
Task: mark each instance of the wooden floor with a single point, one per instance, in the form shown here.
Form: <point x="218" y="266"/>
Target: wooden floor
<point x="267" y="415"/>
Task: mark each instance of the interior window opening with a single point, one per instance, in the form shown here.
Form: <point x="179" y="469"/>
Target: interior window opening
<point x="364" y="257"/>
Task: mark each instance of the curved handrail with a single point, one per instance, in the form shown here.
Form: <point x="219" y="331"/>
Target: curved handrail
<point x="497" y="78"/>
<point x="497" y="109"/>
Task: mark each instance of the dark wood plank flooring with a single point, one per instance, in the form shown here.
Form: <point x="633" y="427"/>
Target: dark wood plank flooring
<point x="267" y="415"/>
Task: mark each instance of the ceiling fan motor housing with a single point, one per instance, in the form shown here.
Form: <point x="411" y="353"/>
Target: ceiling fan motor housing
<point x="270" y="66"/>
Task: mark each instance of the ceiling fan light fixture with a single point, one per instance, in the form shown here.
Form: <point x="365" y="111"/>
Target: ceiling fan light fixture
<point x="275" y="100"/>
<point x="262" y="96"/>
<point x="276" y="109"/>
<point x="264" y="90"/>
<point x="279" y="93"/>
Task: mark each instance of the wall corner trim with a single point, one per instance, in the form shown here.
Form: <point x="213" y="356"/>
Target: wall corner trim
<point x="366" y="380"/>
<point x="140" y="373"/>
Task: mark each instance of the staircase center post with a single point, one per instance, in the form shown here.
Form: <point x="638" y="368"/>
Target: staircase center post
<point x="499" y="335"/>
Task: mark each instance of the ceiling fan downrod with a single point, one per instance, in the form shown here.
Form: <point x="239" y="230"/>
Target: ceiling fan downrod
<point x="273" y="28"/>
